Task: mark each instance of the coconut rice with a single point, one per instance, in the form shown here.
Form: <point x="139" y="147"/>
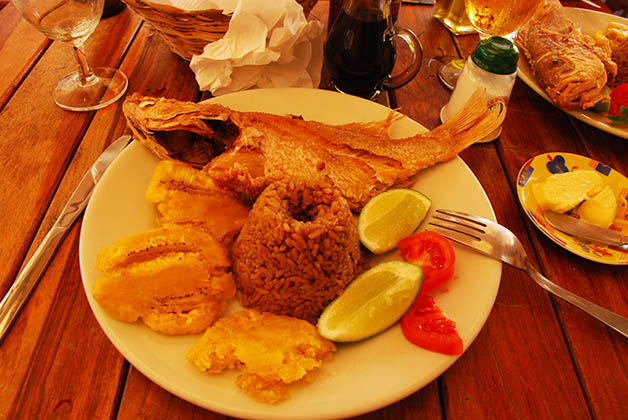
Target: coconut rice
<point x="298" y="250"/>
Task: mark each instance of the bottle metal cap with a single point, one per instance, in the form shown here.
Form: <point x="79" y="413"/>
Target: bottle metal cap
<point x="496" y="55"/>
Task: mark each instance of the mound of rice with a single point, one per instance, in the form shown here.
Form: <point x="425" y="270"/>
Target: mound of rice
<point x="297" y="251"/>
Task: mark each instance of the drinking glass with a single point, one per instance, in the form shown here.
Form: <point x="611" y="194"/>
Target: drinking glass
<point x="73" y="21"/>
<point x="489" y="18"/>
<point x="453" y="15"/>
<point x="500" y="17"/>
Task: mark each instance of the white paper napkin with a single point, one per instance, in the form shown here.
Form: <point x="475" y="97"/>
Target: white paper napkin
<point x="268" y="44"/>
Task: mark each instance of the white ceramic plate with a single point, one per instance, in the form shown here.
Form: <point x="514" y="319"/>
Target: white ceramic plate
<point x="361" y="377"/>
<point x="589" y="22"/>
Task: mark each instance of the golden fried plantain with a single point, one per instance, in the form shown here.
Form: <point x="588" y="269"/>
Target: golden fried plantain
<point x="185" y="195"/>
<point x="271" y="351"/>
<point x="172" y="277"/>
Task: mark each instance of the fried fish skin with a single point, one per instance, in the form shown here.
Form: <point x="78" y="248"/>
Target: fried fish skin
<point x="185" y="195"/>
<point x="271" y="351"/>
<point x="571" y="66"/>
<point x="361" y="160"/>
<point x="179" y="130"/>
<point x="172" y="277"/>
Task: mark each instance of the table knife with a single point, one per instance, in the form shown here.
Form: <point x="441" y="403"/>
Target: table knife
<point x="585" y="230"/>
<point x="590" y="3"/>
<point x="29" y="276"/>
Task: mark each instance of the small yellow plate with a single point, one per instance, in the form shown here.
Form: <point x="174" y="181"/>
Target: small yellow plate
<point x="540" y="167"/>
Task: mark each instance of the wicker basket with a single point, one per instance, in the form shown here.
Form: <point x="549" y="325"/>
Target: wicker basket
<point x="187" y="33"/>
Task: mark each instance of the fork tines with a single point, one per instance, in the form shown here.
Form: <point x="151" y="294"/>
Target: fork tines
<point x="458" y="226"/>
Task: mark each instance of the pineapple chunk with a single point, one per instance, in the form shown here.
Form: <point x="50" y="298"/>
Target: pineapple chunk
<point x="600" y="209"/>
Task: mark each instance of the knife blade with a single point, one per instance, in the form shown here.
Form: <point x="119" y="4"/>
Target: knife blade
<point x="590" y="3"/>
<point x="585" y="230"/>
<point x="29" y="276"/>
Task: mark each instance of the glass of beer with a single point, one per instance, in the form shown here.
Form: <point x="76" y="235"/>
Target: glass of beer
<point x="499" y="17"/>
<point x="453" y="15"/>
<point x="489" y="18"/>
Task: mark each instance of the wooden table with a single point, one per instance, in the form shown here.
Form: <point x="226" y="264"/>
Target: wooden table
<point x="537" y="357"/>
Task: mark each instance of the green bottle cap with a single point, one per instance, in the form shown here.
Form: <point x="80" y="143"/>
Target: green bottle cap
<point x="496" y="55"/>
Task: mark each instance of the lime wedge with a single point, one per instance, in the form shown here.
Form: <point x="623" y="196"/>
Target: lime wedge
<point x="391" y="216"/>
<point x="601" y="107"/>
<point x="374" y="301"/>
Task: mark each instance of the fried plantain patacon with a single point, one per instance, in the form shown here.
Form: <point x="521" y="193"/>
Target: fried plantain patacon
<point x="185" y="195"/>
<point x="271" y="352"/>
<point x="174" y="278"/>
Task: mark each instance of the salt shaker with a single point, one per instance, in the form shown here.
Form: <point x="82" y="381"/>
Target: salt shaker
<point x="493" y="66"/>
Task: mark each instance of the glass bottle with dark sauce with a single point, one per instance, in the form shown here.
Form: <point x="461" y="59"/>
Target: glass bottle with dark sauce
<point x="360" y="50"/>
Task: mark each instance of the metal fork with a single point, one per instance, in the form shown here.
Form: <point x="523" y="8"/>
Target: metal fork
<point x="494" y="240"/>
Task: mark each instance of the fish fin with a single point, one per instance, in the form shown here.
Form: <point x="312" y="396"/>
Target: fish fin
<point x="377" y="128"/>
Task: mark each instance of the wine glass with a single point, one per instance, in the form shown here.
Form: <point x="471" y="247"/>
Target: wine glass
<point x="490" y="18"/>
<point x="73" y="21"/>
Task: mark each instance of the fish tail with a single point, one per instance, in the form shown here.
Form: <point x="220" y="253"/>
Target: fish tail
<point x="474" y="121"/>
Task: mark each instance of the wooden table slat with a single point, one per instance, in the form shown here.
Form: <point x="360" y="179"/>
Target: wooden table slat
<point x="21" y="45"/>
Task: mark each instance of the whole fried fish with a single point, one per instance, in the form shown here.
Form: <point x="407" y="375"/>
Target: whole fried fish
<point x="244" y="152"/>
<point x="572" y="67"/>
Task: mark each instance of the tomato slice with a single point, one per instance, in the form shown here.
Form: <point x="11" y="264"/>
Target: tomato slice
<point x="619" y="98"/>
<point x="434" y="253"/>
<point x="426" y="326"/>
